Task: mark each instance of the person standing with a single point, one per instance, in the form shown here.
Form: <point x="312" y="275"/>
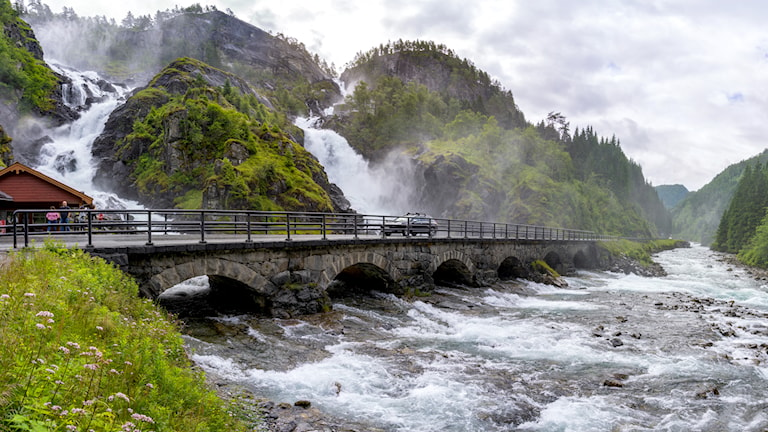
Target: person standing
<point x="52" y="217"/>
<point x="64" y="212"/>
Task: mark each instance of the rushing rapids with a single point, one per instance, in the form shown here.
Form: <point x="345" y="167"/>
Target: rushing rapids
<point x="613" y="352"/>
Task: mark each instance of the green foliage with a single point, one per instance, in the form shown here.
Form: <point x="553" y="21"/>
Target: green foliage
<point x="638" y="251"/>
<point x="745" y="212"/>
<point x="501" y="171"/>
<point x="602" y="160"/>
<point x="20" y="72"/>
<point x="698" y="216"/>
<point x="755" y="253"/>
<point x="542" y="267"/>
<point x="90" y="354"/>
<point x="187" y="143"/>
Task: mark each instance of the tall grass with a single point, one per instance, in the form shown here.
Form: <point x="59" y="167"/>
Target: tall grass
<point x="82" y="352"/>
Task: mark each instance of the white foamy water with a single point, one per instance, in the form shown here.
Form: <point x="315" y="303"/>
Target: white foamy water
<point x="691" y="355"/>
<point x="68" y="157"/>
<point x="384" y="190"/>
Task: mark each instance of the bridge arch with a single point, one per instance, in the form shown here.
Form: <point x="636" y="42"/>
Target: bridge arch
<point x="360" y="278"/>
<point x="453" y="272"/>
<point x="357" y="272"/>
<point x="555" y="261"/>
<point x="211" y="267"/>
<point x="512" y="268"/>
<point x="586" y="258"/>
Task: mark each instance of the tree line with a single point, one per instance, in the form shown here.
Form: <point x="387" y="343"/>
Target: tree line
<point x="743" y="227"/>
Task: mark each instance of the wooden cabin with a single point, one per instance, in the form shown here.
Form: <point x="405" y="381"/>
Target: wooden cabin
<point x="22" y="187"/>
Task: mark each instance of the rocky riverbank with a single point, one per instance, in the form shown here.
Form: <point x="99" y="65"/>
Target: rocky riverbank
<point x="302" y="416"/>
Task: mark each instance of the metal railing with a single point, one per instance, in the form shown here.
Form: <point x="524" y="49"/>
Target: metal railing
<point x="243" y="225"/>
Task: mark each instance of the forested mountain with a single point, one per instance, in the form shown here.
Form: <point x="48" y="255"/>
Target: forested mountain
<point x="477" y="157"/>
<point x="211" y="125"/>
<point x="744" y="212"/>
<point x="671" y="195"/>
<point x="198" y="137"/>
<point x="140" y="46"/>
<point x="697" y="217"/>
<point x="743" y="229"/>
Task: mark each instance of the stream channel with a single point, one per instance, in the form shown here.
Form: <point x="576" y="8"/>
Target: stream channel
<point x="612" y="352"/>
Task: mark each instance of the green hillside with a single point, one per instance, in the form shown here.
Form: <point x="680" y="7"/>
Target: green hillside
<point x="697" y="217"/>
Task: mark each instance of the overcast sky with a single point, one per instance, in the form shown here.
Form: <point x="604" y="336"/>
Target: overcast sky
<point x="681" y="83"/>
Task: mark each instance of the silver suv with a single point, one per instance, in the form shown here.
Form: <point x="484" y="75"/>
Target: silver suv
<point x="411" y="224"/>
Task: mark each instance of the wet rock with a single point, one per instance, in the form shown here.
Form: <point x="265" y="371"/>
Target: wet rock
<point x="707" y="393"/>
<point x="302" y="403"/>
<point x="616" y="342"/>
<point x="612" y="383"/>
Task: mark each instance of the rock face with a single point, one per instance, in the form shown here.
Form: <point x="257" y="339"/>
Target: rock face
<point x="114" y="168"/>
<point x="118" y="154"/>
<point x="227" y="43"/>
<point x="11" y="112"/>
<point x="434" y="70"/>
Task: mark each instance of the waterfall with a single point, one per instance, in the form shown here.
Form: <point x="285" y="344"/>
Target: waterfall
<point x="385" y="189"/>
<point x="67" y="156"/>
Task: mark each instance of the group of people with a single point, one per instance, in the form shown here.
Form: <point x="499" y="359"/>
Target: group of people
<point x="61" y="216"/>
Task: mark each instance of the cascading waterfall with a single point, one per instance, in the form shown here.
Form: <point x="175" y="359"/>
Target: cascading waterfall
<point x="68" y="157"/>
<point x="386" y="189"/>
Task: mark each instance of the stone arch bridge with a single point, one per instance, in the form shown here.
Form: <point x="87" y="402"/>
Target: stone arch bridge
<point x="289" y="278"/>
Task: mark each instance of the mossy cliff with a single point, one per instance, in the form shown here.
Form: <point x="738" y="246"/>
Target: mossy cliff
<point x="199" y="137"/>
<point x="28" y="87"/>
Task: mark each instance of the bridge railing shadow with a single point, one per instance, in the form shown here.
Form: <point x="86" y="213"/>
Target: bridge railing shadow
<point x="250" y="226"/>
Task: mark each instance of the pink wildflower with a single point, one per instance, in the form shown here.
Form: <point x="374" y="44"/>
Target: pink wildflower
<point x="78" y="411"/>
<point x="29" y="294"/>
<point x="64" y="349"/>
<point x="5" y="297"/>
<point x="142" y="417"/>
<point x="91" y="366"/>
<point x="74" y="345"/>
<point x="45" y="314"/>
<point x="99" y="328"/>
<point x="40" y="326"/>
<point x="150" y="386"/>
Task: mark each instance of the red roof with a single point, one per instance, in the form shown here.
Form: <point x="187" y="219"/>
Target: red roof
<point x="32" y="189"/>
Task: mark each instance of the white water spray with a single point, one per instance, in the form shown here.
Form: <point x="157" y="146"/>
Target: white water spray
<point x="385" y="189"/>
<point x="68" y="157"/>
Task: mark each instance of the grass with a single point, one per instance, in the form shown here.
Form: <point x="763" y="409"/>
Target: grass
<point x="639" y="251"/>
<point x="83" y="352"/>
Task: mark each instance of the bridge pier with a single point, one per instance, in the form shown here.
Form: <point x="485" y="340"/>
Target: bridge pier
<point x="285" y="279"/>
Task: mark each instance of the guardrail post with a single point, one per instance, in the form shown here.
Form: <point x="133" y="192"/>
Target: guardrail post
<point x="248" y="227"/>
<point x="89" y="227"/>
<point x="149" y="228"/>
<point x="383" y="226"/>
<point x="465" y="229"/>
<point x="15" y="218"/>
<point x="26" y="230"/>
<point x="354" y="226"/>
<point x="288" y="227"/>
<point x="449" y="228"/>
<point x="325" y="236"/>
<point x="202" y="227"/>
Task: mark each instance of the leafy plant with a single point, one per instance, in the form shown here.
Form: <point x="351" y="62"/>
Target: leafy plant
<point x="89" y="354"/>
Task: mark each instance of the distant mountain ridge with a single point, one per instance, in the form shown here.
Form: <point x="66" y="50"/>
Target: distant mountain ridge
<point x="671" y="195"/>
<point x="697" y="217"/>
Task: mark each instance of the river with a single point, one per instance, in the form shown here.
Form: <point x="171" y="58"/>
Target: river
<point x="613" y="352"/>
